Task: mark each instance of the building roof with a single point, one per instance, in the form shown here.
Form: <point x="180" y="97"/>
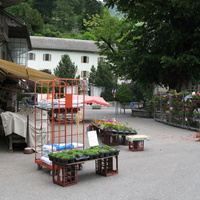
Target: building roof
<point x="17" y="28"/>
<point x="53" y="43"/>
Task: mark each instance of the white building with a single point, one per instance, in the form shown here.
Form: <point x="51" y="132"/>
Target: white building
<point x="47" y="53"/>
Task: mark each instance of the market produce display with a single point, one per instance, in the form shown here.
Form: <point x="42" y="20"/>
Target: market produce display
<point x="112" y="124"/>
<point x="77" y="155"/>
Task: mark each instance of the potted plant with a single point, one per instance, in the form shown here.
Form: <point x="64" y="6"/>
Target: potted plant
<point x="51" y="155"/>
<point x="71" y="158"/>
<point x="58" y="157"/>
<point x="113" y="151"/>
<point x="103" y="153"/>
<point x="92" y="153"/>
<point x="95" y="147"/>
<point x="68" y="158"/>
<point x="106" y="147"/>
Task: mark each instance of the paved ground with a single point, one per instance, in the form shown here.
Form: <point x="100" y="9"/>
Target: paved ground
<point x="167" y="169"/>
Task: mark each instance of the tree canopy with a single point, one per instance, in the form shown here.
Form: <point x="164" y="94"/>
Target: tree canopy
<point x="124" y="94"/>
<point x="164" y="47"/>
<point x="30" y="16"/>
<point x="65" y="68"/>
<point x="59" y="18"/>
<point x="44" y="7"/>
<point x="103" y="77"/>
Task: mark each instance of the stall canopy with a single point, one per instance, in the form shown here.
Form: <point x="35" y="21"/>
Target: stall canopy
<point x="93" y="100"/>
<point x="19" y="71"/>
<point x="77" y="101"/>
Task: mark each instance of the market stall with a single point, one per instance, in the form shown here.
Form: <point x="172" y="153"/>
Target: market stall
<point x="19" y="127"/>
<point x="13" y="80"/>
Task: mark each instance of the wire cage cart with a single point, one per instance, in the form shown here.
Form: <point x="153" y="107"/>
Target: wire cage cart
<point x="60" y="102"/>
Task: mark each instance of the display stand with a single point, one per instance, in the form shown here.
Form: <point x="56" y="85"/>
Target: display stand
<point x="67" y="175"/>
<point x="136" y="142"/>
<point x="136" y="145"/>
<point x="66" y="114"/>
<point x="105" y="166"/>
<point x="112" y="138"/>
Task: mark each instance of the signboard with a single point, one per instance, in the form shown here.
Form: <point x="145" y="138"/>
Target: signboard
<point x="92" y="137"/>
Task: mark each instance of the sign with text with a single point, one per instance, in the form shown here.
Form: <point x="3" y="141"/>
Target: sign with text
<point x="92" y="137"/>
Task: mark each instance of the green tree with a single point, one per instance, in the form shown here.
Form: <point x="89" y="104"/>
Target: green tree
<point x="64" y="17"/>
<point x="30" y="16"/>
<point x="92" y="76"/>
<point x="65" y="68"/>
<point x="57" y="18"/>
<point x="45" y="8"/>
<point x="108" y="32"/>
<point x="105" y="29"/>
<point x="167" y="49"/>
<point x="89" y="8"/>
<point x="124" y="94"/>
<point x="103" y="77"/>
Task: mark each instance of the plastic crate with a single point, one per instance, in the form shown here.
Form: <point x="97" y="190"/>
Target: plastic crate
<point x="106" y="166"/>
<point x="124" y="141"/>
<point x="111" y="140"/>
<point x="65" y="175"/>
<point x="136" y="145"/>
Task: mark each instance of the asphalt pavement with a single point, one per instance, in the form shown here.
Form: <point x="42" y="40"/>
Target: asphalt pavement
<point x="167" y="169"/>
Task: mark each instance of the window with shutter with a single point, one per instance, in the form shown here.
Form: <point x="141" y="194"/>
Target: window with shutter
<point x="31" y="56"/>
<point x="84" y="59"/>
<point x="47" y="57"/>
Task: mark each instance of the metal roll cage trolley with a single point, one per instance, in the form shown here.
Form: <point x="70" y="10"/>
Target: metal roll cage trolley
<point x="62" y="125"/>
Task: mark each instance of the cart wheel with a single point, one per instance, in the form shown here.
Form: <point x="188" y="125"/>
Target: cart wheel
<point x="80" y="167"/>
<point x="39" y="167"/>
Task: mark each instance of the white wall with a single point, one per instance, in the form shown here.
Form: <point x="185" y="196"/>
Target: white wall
<point x="39" y="64"/>
<point x="96" y="91"/>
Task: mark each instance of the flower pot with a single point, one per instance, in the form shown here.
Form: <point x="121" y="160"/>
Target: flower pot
<point x="132" y="132"/>
<point x="112" y="153"/>
<point x="121" y="132"/>
<point x="50" y="158"/>
<point x="127" y="132"/>
<point x="96" y="156"/>
<point x="71" y="160"/>
<point x="65" y="161"/>
<point x="116" y="153"/>
<point x="91" y="157"/>
<point x="28" y="150"/>
<point x="113" y="131"/>
<point x="82" y="157"/>
<point x="101" y="155"/>
<point x="58" y="160"/>
<point x="106" y="154"/>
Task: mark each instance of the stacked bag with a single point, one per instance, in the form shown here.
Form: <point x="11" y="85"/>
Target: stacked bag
<point x="47" y="148"/>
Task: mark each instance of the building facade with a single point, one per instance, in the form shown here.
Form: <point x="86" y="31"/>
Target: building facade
<point x="47" y="52"/>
